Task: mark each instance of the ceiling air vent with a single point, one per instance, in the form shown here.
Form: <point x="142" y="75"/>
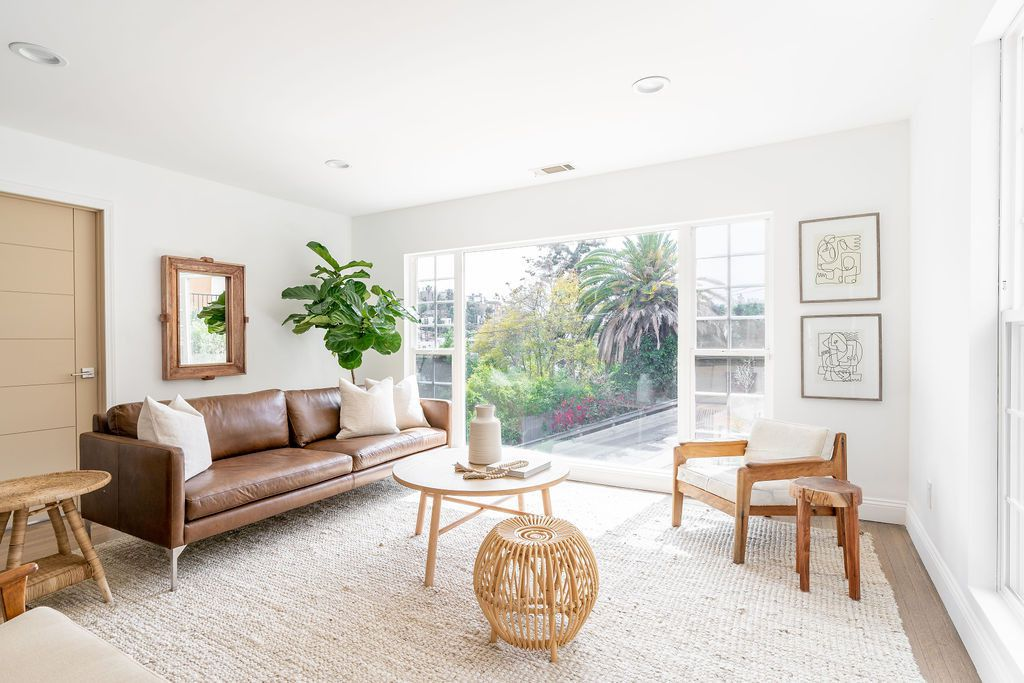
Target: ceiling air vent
<point x="551" y="170"/>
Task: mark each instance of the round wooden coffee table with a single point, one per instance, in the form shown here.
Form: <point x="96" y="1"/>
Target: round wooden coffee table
<point x="53" y="493"/>
<point x="433" y="475"/>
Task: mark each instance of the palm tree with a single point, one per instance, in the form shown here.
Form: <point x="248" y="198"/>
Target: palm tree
<point x="630" y="293"/>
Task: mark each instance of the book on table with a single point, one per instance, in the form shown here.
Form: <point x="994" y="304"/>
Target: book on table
<point x="535" y="464"/>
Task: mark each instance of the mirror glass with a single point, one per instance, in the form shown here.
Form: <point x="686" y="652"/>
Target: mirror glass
<point x="202" y="318"/>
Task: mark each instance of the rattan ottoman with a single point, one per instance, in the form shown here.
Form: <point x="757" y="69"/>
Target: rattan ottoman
<point x="536" y="581"/>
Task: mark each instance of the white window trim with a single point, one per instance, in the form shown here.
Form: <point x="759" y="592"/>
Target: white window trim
<point x="1011" y="290"/>
<point x="592" y="472"/>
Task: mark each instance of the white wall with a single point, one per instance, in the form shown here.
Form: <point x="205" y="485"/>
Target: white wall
<point x="954" y="337"/>
<point x="843" y="173"/>
<point x="156" y="212"/>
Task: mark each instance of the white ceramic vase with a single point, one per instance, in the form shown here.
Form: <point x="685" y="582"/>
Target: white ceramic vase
<point x="484" y="437"/>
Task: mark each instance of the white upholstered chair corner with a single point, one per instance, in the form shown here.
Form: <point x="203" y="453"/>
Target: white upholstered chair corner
<point x="757" y="481"/>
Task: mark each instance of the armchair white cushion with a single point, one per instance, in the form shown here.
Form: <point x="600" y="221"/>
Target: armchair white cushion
<point x="770" y="441"/>
<point x="776" y="440"/>
<point x="720" y="480"/>
<point x="44" y="645"/>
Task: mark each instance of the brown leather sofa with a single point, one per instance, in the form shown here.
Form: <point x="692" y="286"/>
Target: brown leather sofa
<point x="273" y="451"/>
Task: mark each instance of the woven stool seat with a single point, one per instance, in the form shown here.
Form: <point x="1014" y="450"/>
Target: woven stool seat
<point x="536" y="581"/>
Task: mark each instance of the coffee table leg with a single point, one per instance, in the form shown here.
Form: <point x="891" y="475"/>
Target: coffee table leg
<point x="4" y="516"/>
<point x="421" y="513"/>
<point x="546" y="497"/>
<point x="85" y="543"/>
<point x="522" y="502"/>
<point x="17" y="538"/>
<point x="435" y="523"/>
<point x="60" y="532"/>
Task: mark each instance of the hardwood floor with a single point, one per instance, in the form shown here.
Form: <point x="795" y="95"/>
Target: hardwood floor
<point x="937" y="647"/>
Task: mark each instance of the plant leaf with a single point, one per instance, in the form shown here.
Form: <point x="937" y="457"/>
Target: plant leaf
<point x="322" y="251"/>
<point x="302" y="293"/>
<point x="356" y="264"/>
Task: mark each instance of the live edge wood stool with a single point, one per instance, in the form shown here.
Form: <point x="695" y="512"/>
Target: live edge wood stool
<point x="844" y="497"/>
<point x="53" y="493"/>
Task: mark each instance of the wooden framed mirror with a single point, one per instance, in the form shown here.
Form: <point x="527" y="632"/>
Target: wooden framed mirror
<point x="203" y="316"/>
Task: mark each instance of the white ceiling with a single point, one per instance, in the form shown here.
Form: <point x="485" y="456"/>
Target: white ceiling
<point x="436" y="99"/>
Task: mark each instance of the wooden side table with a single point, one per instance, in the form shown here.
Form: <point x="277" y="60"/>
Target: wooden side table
<point x="844" y="497"/>
<point x="53" y="493"/>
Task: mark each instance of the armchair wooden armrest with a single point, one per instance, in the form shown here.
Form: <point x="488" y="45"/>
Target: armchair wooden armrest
<point x="708" y="449"/>
<point x="12" y="589"/>
<point x="789" y="469"/>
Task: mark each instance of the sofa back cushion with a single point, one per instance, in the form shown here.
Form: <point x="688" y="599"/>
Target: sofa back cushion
<point x="236" y="423"/>
<point x="313" y="414"/>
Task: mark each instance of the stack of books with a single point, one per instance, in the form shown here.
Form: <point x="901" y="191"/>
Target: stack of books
<point x="537" y="463"/>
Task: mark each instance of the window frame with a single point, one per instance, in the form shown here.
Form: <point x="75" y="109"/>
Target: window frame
<point x="457" y="351"/>
<point x="686" y="284"/>
<point x="1011" y="303"/>
<point x="689" y="285"/>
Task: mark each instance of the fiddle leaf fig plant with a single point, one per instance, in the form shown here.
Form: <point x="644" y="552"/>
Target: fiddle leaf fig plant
<point x="214" y="314"/>
<point x="357" y="316"/>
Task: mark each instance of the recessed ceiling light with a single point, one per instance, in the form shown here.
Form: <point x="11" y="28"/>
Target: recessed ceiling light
<point x="37" y="54"/>
<point x="650" y="84"/>
<point x="336" y="163"/>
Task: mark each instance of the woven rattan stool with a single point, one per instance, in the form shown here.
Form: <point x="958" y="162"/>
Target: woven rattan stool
<point x="536" y="581"/>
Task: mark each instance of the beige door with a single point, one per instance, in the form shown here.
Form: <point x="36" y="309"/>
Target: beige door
<point x="48" y="331"/>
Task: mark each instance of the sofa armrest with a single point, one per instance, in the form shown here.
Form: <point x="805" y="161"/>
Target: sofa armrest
<point x="13" y="583"/>
<point x="146" y="493"/>
<point x="438" y="412"/>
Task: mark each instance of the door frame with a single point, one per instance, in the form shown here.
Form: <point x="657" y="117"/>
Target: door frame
<point x="105" y="210"/>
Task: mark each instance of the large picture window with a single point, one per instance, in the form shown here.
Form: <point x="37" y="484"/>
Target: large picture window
<point x="583" y="345"/>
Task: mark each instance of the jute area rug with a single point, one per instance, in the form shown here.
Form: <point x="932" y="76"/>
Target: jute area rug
<point x="334" y="592"/>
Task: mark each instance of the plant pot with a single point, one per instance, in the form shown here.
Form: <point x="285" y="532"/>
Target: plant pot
<point x="484" y="437"/>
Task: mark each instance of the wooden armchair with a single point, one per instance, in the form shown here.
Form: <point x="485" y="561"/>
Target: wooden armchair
<point x="44" y="645"/>
<point x="12" y="589"/>
<point x="755" y="487"/>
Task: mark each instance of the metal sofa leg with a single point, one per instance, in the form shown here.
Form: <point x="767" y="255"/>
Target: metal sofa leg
<point x="173" y="553"/>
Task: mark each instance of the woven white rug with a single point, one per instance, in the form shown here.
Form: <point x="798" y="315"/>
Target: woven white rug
<point x="334" y="592"/>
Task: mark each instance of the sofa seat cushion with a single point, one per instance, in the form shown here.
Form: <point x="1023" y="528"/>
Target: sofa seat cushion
<point x="44" y="645"/>
<point x="233" y="482"/>
<point x="367" y="451"/>
<point x="720" y="480"/>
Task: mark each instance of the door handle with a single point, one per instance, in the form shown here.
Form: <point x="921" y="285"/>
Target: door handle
<point x="86" y="373"/>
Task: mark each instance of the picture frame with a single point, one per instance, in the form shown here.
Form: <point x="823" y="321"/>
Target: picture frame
<point x="840" y="259"/>
<point x="841" y="356"/>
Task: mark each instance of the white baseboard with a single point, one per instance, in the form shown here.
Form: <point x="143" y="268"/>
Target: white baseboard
<point x="884" y="510"/>
<point x="970" y="621"/>
<point x="872" y="509"/>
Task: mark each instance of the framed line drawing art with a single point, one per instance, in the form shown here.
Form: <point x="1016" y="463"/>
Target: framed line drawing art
<point x="841" y="356"/>
<point x="839" y="259"/>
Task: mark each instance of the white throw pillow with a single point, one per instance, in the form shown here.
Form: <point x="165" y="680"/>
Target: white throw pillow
<point x="408" y="411"/>
<point x="181" y="425"/>
<point x="775" y="440"/>
<point x="367" y="412"/>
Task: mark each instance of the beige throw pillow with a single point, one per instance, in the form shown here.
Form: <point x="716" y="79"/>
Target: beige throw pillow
<point x="408" y="411"/>
<point x="181" y="425"/>
<point x="367" y="412"/>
